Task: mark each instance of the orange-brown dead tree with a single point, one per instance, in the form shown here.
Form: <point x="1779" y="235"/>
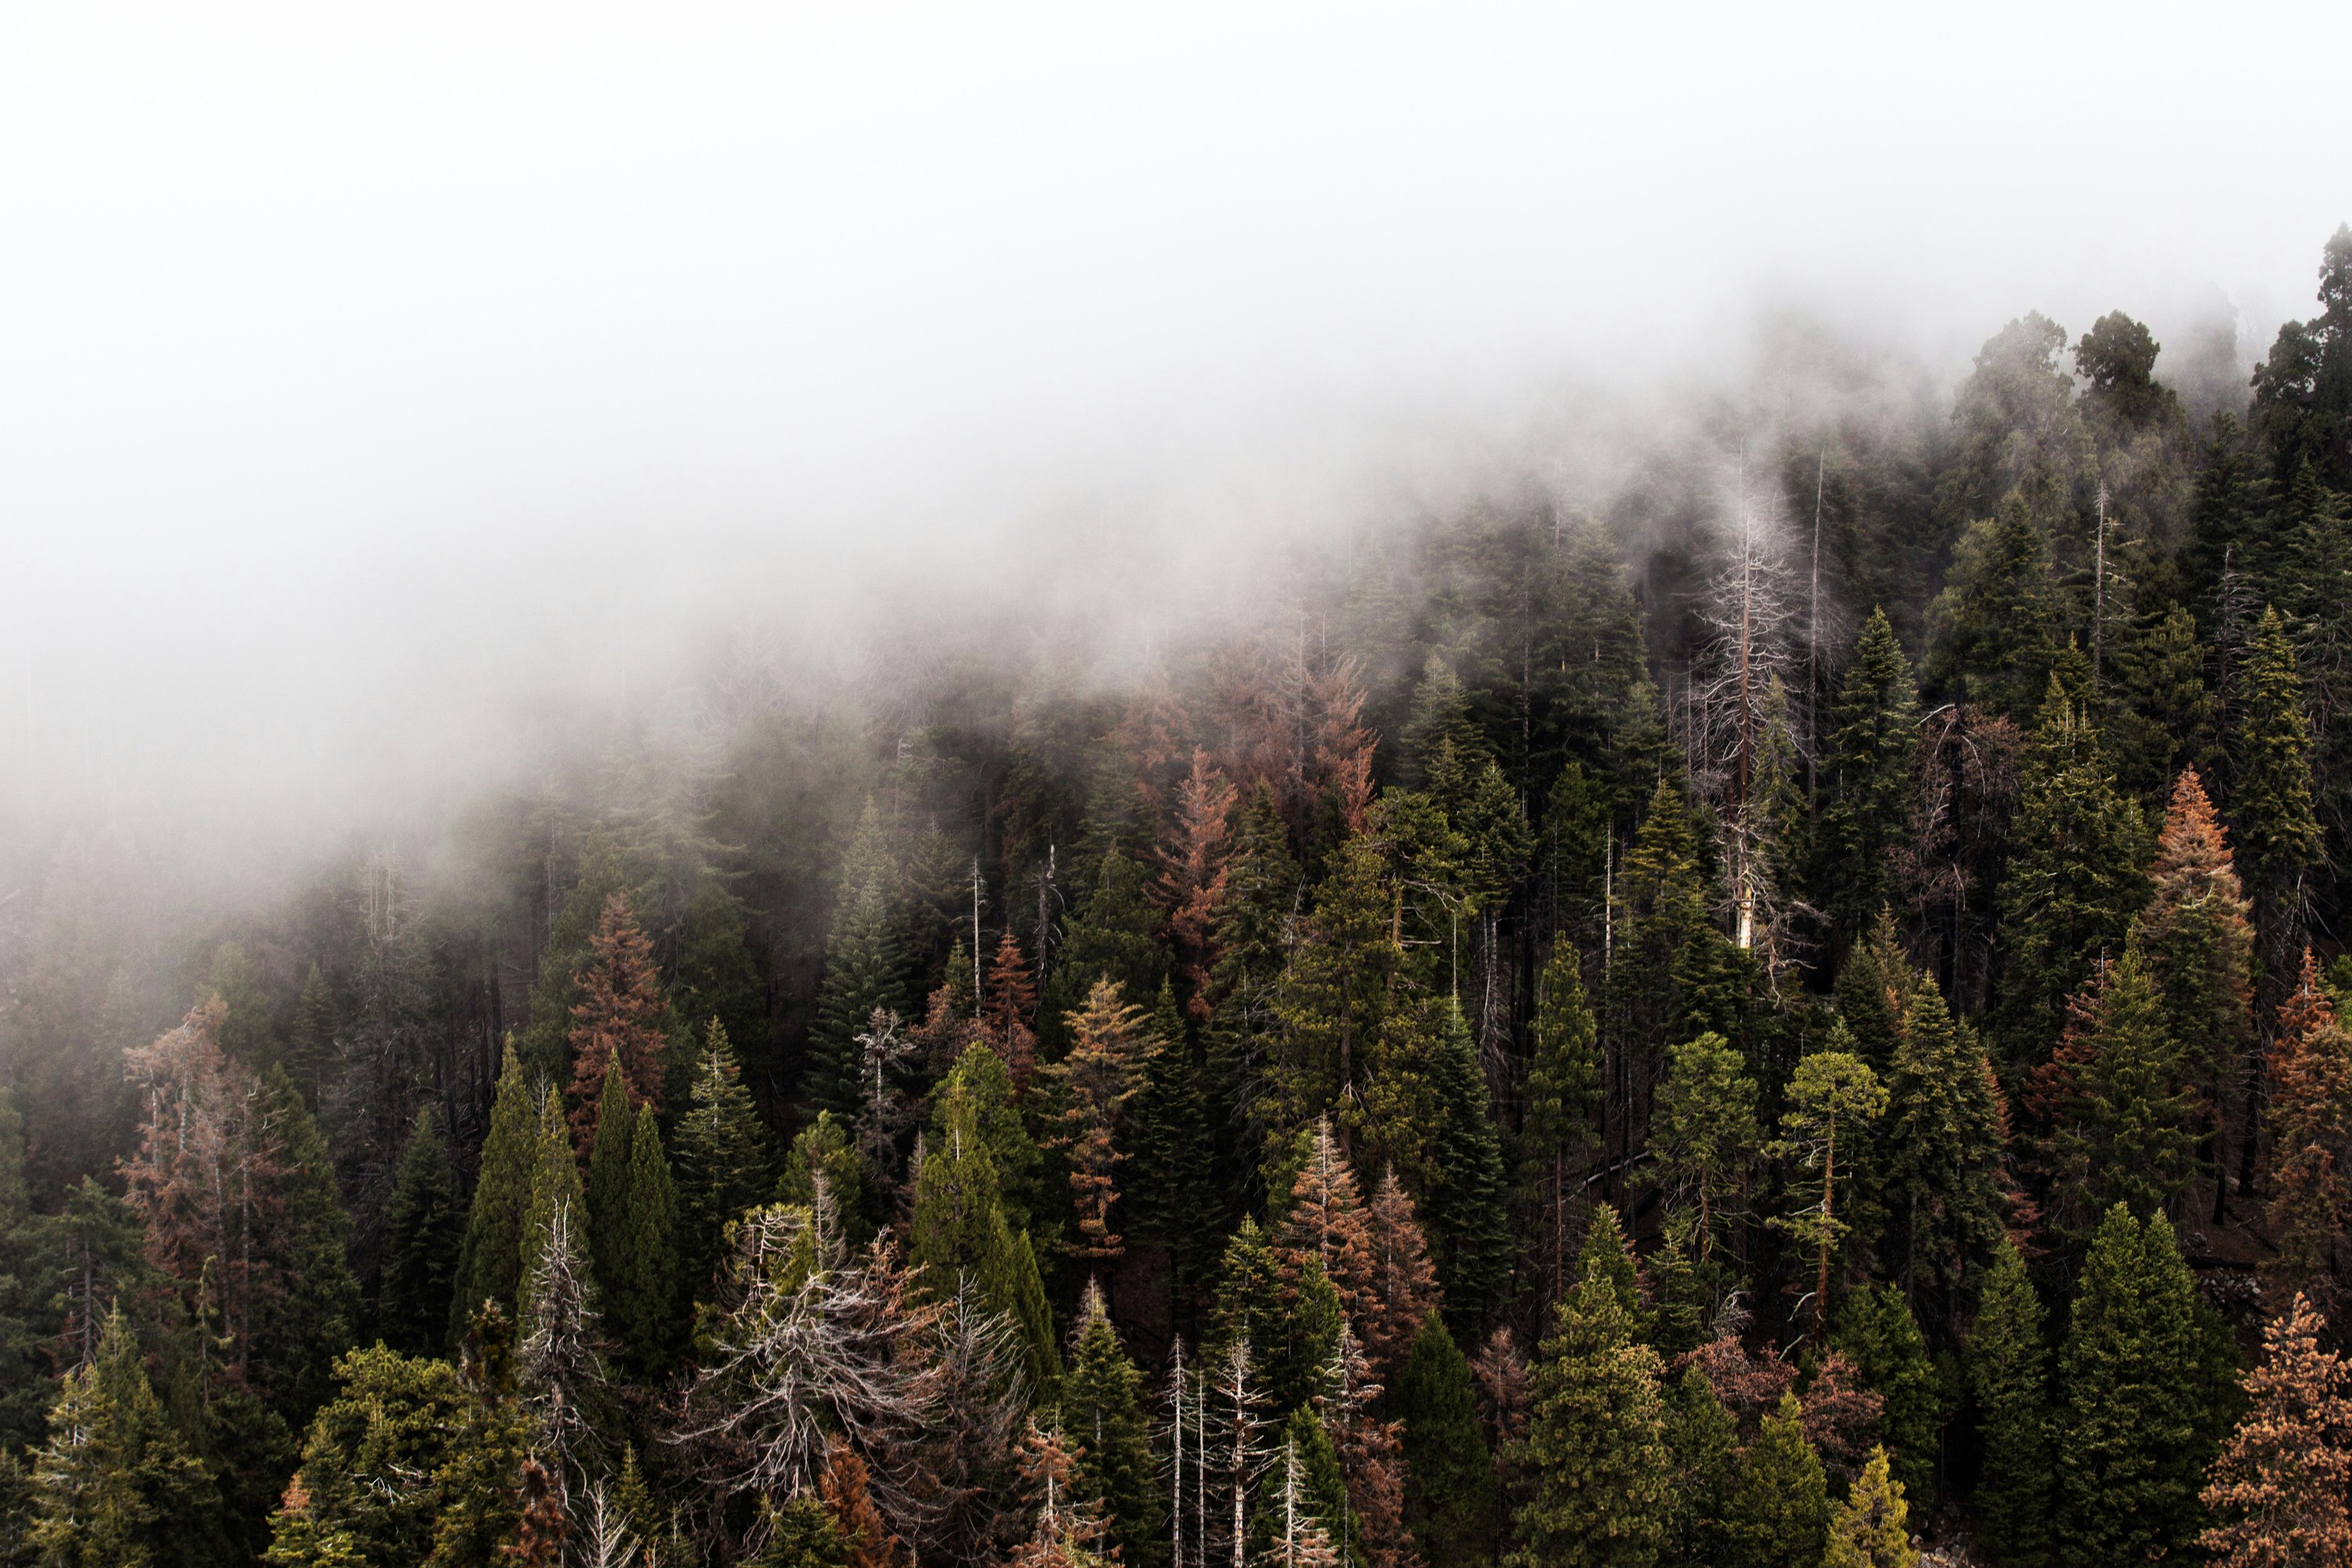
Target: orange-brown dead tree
<point x="620" y="1014"/>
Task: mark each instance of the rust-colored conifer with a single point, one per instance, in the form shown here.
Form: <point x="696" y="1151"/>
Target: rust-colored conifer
<point x="1326" y="1219"/>
<point x="1192" y="883"/>
<point x="2279" y="1487"/>
<point x="621" y="1013"/>
<point x="2311" y="1123"/>
<point x="1404" y="1281"/>
<point x="1008" y="1011"/>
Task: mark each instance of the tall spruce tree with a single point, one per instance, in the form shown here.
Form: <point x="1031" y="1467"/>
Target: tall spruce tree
<point x="1559" y="1113"/>
<point x="1465" y="1209"/>
<point x="1878" y="1334"/>
<point x="722" y="1166"/>
<point x="425" y="1234"/>
<point x="1866" y="782"/>
<point x="1943" y="1139"/>
<point x="1449" y="1476"/>
<point x="117" y="1486"/>
<point x="1779" y="1515"/>
<point x="608" y="1176"/>
<point x="1992" y="632"/>
<point x="1102" y="1413"/>
<point x="488" y="1264"/>
<point x="2136" y="1427"/>
<point x="2009" y="1381"/>
<point x="642" y="1297"/>
<point x="1706" y="1134"/>
<point x="865" y="968"/>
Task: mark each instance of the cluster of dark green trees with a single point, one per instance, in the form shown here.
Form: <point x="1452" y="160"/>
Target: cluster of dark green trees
<point x="1815" y="1035"/>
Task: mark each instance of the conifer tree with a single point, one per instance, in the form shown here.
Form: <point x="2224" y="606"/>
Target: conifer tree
<point x="2008" y="1378"/>
<point x="2279" y="1489"/>
<point x="488" y="1264"/>
<point x="23" y="1385"/>
<point x="424" y="1232"/>
<point x="959" y="1231"/>
<point x="1404" y="1283"/>
<point x="2118" y="1095"/>
<point x="607" y="1187"/>
<point x="642" y="1298"/>
<point x="1323" y="1217"/>
<point x="1558" y="1119"/>
<point x="722" y="1157"/>
<point x="313" y="1315"/>
<point x="1192" y="878"/>
<point x="1465" y="1209"/>
<point x="1834" y="1101"/>
<point x="2133" y="1430"/>
<point x="1596" y="1441"/>
<point x="822" y="1150"/>
<point x="1779" y="1516"/>
<point x="979" y="1082"/>
<point x="1115" y="935"/>
<point x="1256" y="922"/>
<point x="1334" y="996"/>
<point x="2278" y="834"/>
<point x="1449" y="1476"/>
<point x="1668" y="977"/>
<point x="621" y="1017"/>
<point x="555" y="1186"/>
<point x="1880" y="1337"/>
<point x="1008" y="1010"/>
<point x="1322" y="1495"/>
<point x="310" y="1040"/>
<point x="1703" y="1441"/>
<point x="1101" y="1412"/>
<point x="1943" y="1137"/>
<point x="1866" y="780"/>
<point x="1606" y="1255"/>
<point x="1991" y="631"/>
<point x="2075" y="876"/>
<point x="116" y="1486"/>
<point x="2310" y="1136"/>
<point x="1871" y="1528"/>
<point x="2199" y="948"/>
<point x="1707" y="1135"/>
<point x="357" y="1497"/>
<point x="863" y="969"/>
<point x="1092" y="1085"/>
<point x="1173" y="1194"/>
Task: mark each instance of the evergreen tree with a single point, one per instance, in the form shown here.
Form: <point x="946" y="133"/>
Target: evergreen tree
<point x="1173" y="1192"/>
<point x="1943" y="1137"/>
<point x="1334" y="995"/>
<point x="301" y="1328"/>
<point x="1668" y="977"/>
<point x="310" y="1041"/>
<point x="722" y="1157"/>
<point x="1596" y="1441"/>
<point x="1449" y="1477"/>
<point x="1465" y="1209"/>
<point x="490" y="1261"/>
<point x="1323" y="1218"/>
<point x="1114" y="936"/>
<point x="1404" y="1283"/>
<point x="802" y="1533"/>
<point x="608" y="1176"/>
<point x="1703" y="1441"/>
<point x="2008" y="1378"/>
<point x="1880" y="1337"/>
<point x="1866" y="781"/>
<point x="357" y="1498"/>
<point x="1092" y="1085"/>
<point x="960" y="1232"/>
<point x="642" y="1298"/>
<point x="1558" y="1118"/>
<point x="1779" y="1517"/>
<point x="24" y="1387"/>
<point x="555" y="1186"/>
<point x="2311" y="1097"/>
<point x="2134" y="1429"/>
<point x="2279" y="1489"/>
<point x="2278" y="833"/>
<point x="116" y="1486"/>
<point x="1834" y="1100"/>
<point x="1871" y="1529"/>
<point x="1102" y="1412"/>
<point x="622" y="1017"/>
<point x="864" y="970"/>
<point x="425" y="1231"/>
<point x="2075" y="876"/>
<point x="2117" y="1099"/>
<point x="1992" y="632"/>
<point x="1707" y="1135"/>
<point x="823" y="1149"/>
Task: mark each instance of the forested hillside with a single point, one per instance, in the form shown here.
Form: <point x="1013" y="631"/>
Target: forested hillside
<point x="1787" y="1016"/>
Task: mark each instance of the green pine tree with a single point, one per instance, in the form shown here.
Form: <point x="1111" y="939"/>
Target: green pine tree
<point x="722" y="1158"/>
<point x="1705" y="1133"/>
<point x="424" y="1232"/>
<point x="960" y="1231"/>
<point x="1449" y="1476"/>
<point x="1465" y="1209"/>
<point x="1878" y="1334"/>
<point x="116" y="1486"/>
<point x="297" y="1333"/>
<point x="1703" y="1441"/>
<point x="1942" y="1138"/>
<point x="2136" y="1420"/>
<point x="1779" y="1516"/>
<point x="1102" y="1412"/>
<point x="2009" y="1379"/>
<point x="1867" y="783"/>
<point x="822" y="1147"/>
<point x="1596" y="1450"/>
<point x="554" y="1184"/>
<point x="864" y="970"/>
<point x="2278" y="836"/>
<point x="375" y="1463"/>
<point x="1559" y="1113"/>
<point x="489" y="1263"/>
<point x="1170" y="1189"/>
<point x="1871" y="1529"/>
<point x="1993" y="631"/>
<point x="609" y="1155"/>
<point x="642" y="1298"/>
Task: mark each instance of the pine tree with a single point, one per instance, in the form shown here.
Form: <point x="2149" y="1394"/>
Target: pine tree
<point x="24" y="1387"/>
<point x="1449" y="1476"/>
<point x="863" y="969"/>
<point x="823" y="1151"/>
<point x="489" y="1263"/>
<point x="2074" y="880"/>
<point x="1944" y="1133"/>
<point x="2008" y="1378"/>
<point x="1404" y="1283"/>
<point x="1091" y="1088"/>
<point x="621" y="1016"/>
<point x="1323" y="1217"/>
<point x="1256" y="922"/>
<point x="1193" y="879"/>
<point x="1879" y="1335"/>
<point x="310" y="1041"/>
<point x="642" y="1298"/>
<point x="1666" y="975"/>
<point x="356" y="1499"/>
<point x="608" y="1176"/>
<point x="1779" y="1516"/>
<point x="802" y="1533"/>
<point x="1115" y="935"/>
<point x="1101" y="1410"/>
<point x="1834" y="1101"/>
<point x="1466" y="1208"/>
<point x="1871" y="1529"/>
<point x="1596" y="1441"/>
<point x="555" y="1186"/>
<point x="2280" y="1487"/>
<point x="2278" y="834"/>
<point x="2199" y="948"/>
<point x="116" y="1486"/>
<point x="1703" y="1441"/>
<point x="1991" y="631"/>
<point x="2134" y="1429"/>
<point x="1866" y="780"/>
<point x="2311" y="1135"/>
<point x="1334" y="997"/>
<point x="424" y="1232"/>
<point x="313" y="1315"/>
<point x="1174" y="1196"/>
<point x="1558" y="1119"/>
<point x="1008" y="1010"/>
<point x="960" y="1231"/>
<point x="722" y="1157"/>
<point x="1706" y="1134"/>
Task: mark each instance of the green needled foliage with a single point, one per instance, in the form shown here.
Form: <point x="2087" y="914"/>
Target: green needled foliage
<point x="2278" y="833"/>
<point x="822" y="1147"/>
<point x="1871" y="1527"/>
<point x="299" y="1333"/>
<point x="1465" y="1209"/>
<point x="1705" y="1133"/>
<point x="1992" y="631"/>
<point x="1449" y="1476"/>
<point x="1559" y="1114"/>
<point x="722" y="1157"/>
<point x="425" y="1236"/>
<point x="2009" y="1380"/>
<point x="608" y="1176"/>
<point x="1102" y="1413"/>
<point x="1779" y="1514"/>
<point x="1703" y="1441"/>
<point x="864" y="969"/>
<point x="1602" y="1476"/>
<point x="488" y="1268"/>
<point x="554" y="1184"/>
<point x="371" y="1486"/>
<point x="1943" y="1137"/>
<point x="116" y="1486"/>
<point x="1878" y="1334"/>
<point x="1115" y="936"/>
<point x="2119" y="1100"/>
<point x="1866" y="782"/>
<point x="642" y="1298"/>
<point x="2136" y="1427"/>
<point x="960" y="1232"/>
<point x="1171" y="1184"/>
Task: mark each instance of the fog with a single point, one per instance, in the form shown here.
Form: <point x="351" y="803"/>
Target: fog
<point x="380" y="388"/>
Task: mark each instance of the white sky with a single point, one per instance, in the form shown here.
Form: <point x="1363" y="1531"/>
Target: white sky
<point x="366" y="372"/>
